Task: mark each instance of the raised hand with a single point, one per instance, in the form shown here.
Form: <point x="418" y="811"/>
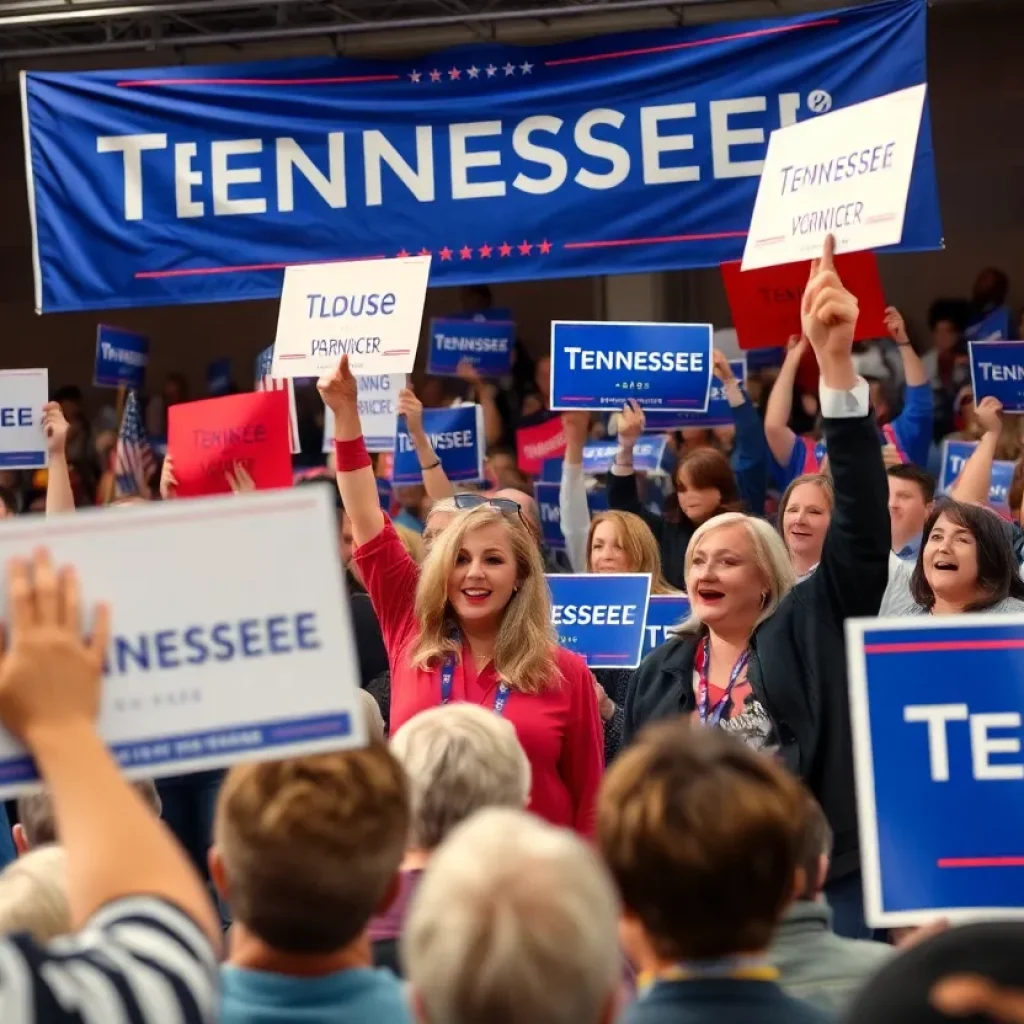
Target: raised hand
<point x="631" y="423"/>
<point x="896" y="326"/>
<point x="467" y="371"/>
<point x="796" y="345"/>
<point x="168" y="481"/>
<point x="55" y="427"/>
<point x="828" y="312"/>
<point x="239" y="480"/>
<point x="339" y="389"/>
<point x="411" y="408"/>
<point x="720" y="364"/>
<point x="989" y="414"/>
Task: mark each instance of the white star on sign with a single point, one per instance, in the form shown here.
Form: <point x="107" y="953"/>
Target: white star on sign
<point x="414" y="76"/>
<point x="473" y="72"/>
<point x="526" y="67"/>
<point x="510" y="69"/>
<point x="491" y="70"/>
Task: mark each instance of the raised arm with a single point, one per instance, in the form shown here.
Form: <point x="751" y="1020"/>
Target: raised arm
<point x="573" y="511"/>
<point x="59" y="496"/>
<point x="750" y="458"/>
<point x="435" y="480"/>
<point x="622" y="492"/>
<point x="486" y="395"/>
<point x="852" y="575"/>
<point x="780" y="404"/>
<point x="356" y="482"/>
<point x="914" y="425"/>
<point x="975" y="479"/>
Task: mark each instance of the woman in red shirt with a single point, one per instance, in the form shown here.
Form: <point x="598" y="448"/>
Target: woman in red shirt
<point x="474" y="624"/>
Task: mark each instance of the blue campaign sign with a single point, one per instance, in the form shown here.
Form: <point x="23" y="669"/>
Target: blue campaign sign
<point x="218" y="377"/>
<point x="664" y="612"/>
<point x="719" y="412"/>
<point x="121" y="358"/>
<point x="551" y="471"/>
<point x="546" y="495"/>
<point x="997" y="370"/>
<point x="507" y="163"/>
<point x="599" y="366"/>
<point x="994" y="326"/>
<point x="601" y="616"/>
<point x="457" y="436"/>
<point x="955" y="455"/>
<point x="647" y="455"/>
<point x="939" y="768"/>
<point x="486" y="343"/>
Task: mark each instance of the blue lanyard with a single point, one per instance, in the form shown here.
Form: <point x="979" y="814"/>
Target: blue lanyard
<point x="448" y="674"/>
<point x="703" y="694"/>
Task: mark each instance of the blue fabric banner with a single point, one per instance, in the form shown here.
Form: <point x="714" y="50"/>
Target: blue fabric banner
<point x="611" y="154"/>
<point x="487" y="344"/>
<point x="121" y="358"/>
<point x="598" y="366"/>
<point x="457" y="437"/>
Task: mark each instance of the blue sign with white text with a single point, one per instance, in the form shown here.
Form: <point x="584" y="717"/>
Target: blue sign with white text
<point x="599" y="366"/>
<point x="487" y="344"/>
<point x="664" y="613"/>
<point x="600" y="616"/>
<point x="546" y="495"/>
<point x="954" y="457"/>
<point x="609" y="154"/>
<point x="994" y="326"/>
<point x="997" y="370"/>
<point x="121" y="358"/>
<point x="719" y="412"/>
<point x="939" y="766"/>
<point x="457" y="437"/>
<point x="647" y="455"/>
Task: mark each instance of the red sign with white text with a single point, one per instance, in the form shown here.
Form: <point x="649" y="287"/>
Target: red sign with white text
<point x="535" y="445"/>
<point x="205" y="440"/>
<point x="765" y="303"/>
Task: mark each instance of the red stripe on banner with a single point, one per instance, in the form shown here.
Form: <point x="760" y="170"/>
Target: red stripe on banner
<point x="923" y="646"/>
<point x="193" y="271"/>
<point x="654" y="241"/>
<point x="775" y="30"/>
<point x="156" y="83"/>
<point x="981" y="862"/>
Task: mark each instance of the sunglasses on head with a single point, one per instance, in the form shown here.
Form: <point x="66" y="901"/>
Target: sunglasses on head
<point x="506" y="505"/>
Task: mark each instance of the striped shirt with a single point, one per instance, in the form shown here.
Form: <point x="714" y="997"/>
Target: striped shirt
<point x="137" y="961"/>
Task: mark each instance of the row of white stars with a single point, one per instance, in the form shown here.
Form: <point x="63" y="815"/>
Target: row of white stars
<point x="473" y="71"/>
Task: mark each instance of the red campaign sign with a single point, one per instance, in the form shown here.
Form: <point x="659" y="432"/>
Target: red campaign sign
<point x="205" y="439"/>
<point x="765" y="303"/>
<point x="535" y="445"/>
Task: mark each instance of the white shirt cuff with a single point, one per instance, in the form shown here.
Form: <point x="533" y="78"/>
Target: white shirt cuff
<point x="845" y="405"/>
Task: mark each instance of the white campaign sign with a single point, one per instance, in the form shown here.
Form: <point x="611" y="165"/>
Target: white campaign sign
<point x="378" y="412"/>
<point x="845" y="173"/>
<point x="23" y="393"/>
<point x="245" y="650"/>
<point x="368" y="310"/>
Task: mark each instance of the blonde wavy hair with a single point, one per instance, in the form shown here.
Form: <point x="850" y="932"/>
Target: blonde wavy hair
<point x="770" y="555"/>
<point x="524" y="655"/>
<point x="638" y="542"/>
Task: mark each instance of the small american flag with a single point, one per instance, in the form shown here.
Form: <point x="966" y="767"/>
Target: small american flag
<point x="134" y="461"/>
<point x="266" y="382"/>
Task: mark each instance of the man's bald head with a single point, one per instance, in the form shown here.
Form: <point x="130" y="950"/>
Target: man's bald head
<point x="529" y="506"/>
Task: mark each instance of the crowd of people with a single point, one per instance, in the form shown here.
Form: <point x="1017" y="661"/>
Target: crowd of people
<point x="524" y="840"/>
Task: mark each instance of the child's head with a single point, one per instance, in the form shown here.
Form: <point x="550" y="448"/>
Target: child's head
<point x="307" y="850"/>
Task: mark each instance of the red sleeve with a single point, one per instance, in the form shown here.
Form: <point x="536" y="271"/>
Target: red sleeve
<point x="582" y="761"/>
<point x="390" y="576"/>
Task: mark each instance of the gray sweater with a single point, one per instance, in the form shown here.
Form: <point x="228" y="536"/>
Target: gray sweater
<point x="898" y="599"/>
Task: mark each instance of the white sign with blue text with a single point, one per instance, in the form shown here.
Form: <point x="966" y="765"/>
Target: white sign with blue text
<point x="485" y="344"/>
<point x="719" y="412"/>
<point x="369" y="310"/>
<point x="601" y="616"/>
<point x="457" y="436"/>
<point x="597" y="366"/>
<point x="378" y="412"/>
<point x="845" y="173"/>
<point x="121" y="358"/>
<point x="257" y="663"/>
<point x="23" y="393"/>
<point x="647" y="455"/>
<point x="664" y="613"/>
<point x="997" y="371"/>
<point x="954" y="457"/>
<point x="939" y="767"/>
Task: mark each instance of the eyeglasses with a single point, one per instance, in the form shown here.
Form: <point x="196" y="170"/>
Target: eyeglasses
<point x="506" y="505"/>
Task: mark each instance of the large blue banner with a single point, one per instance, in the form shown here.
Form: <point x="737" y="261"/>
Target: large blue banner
<point x="939" y="769"/>
<point x="612" y="154"/>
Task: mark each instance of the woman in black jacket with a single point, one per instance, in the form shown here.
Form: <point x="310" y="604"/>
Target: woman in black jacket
<point x="764" y="658"/>
<point x="705" y="483"/>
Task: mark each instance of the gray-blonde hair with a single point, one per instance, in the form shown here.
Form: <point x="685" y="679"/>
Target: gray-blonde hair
<point x="514" y="921"/>
<point x="770" y="556"/>
<point x="459" y="758"/>
<point x="34" y="895"/>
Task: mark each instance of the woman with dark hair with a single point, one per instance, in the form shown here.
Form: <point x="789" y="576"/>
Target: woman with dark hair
<point x="966" y="564"/>
<point x="705" y="483"/>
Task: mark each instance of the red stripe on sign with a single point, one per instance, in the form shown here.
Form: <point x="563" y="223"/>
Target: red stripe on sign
<point x="157" y="83"/>
<point x="981" y="862"/>
<point x="655" y="241"/>
<point x="732" y="37"/>
<point x="248" y="268"/>
<point x="922" y="646"/>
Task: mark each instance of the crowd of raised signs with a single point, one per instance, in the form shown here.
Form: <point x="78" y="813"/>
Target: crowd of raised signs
<point x="525" y="841"/>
